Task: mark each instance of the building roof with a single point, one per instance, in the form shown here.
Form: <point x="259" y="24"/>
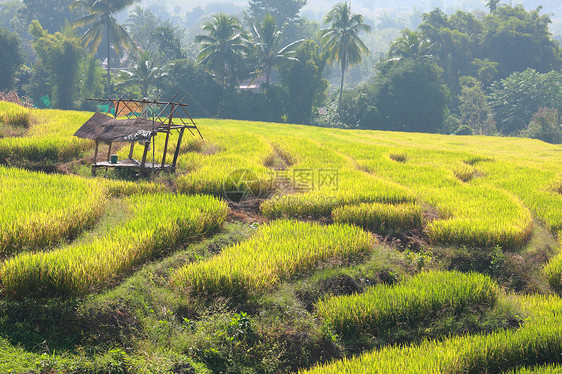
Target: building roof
<point x="103" y="128"/>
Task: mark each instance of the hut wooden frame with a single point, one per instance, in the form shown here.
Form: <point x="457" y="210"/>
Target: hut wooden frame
<point x="142" y="126"/>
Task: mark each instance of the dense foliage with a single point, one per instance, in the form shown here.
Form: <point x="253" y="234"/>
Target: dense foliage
<point x="516" y="98"/>
<point x="10" y="58"/>
<point x="462" y="73"/>
<point x="407" y="96"/>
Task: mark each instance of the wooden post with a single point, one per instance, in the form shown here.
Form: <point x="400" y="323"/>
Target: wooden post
<point x="131" y="151"/>
<point x="96" y="153"/>
<point x="167" y="137"/>
<point x="109" y="152"/>
<point x="177" y="152"/>
<point x="143" y="162"/>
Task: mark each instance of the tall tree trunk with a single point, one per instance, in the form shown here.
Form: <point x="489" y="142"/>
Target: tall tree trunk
<point x="341" y="84"/>
<point x="108" y="63"/>
<point x="268" y="74"/>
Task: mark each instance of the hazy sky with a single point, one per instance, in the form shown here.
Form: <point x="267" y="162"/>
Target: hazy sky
<point x="368" y="8"/>
<point x="377" y="9"/>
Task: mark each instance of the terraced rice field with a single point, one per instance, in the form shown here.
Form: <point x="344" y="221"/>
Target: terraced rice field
<point x="39" y="210"/>
<point x="537" y="342"/>
<point x="49" y="138"/>
<point x="276" y="253"/>
<point x="412" y="301"/>
<point x="482" y="191"/>
<point x="159" y="222"/>
<point x="325" y="199"/>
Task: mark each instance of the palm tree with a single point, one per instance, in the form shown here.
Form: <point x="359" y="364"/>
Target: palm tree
<point x="411" y="45"/>
<point x="341" y="39"/>
<point x="143" y="74"/>
<point x="141" y="24"/>
<point x="493" y="5"/>
<point x="267" y="41"/>
<point x="100" y="17"/>
<point x="223" y="48"/>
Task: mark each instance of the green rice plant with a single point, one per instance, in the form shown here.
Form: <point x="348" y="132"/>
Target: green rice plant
<point x="398" y="157"/>
<point x="38" y="210"/>
<point x="473" y="160"/>
<point x="119" y="188"/>
<point x="537" y="341"/>
<point x="553" y="273"/>
<point x="159" y="223"/>
<point x="278" y="251"/>
<point x="553" y="270"/>
<point x="548" y="369"/>
<point x="483" y="217"/>
<point x="50" y="140"/>
<point x="14" y="115"/>
<point x="380" y="218"/>
<point x="465" y="173"/>
<point x="408" y="303"/>
<point x="354" y="187"/>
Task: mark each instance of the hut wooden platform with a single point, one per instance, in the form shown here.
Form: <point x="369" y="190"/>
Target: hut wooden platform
<point x="138" y="128"/>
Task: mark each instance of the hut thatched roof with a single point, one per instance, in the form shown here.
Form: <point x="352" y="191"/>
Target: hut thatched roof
<point x="103" y="128"/>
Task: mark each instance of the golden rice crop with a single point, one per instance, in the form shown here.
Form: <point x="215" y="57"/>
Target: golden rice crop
<point x="354" y="187"/>
<point x="380" y="218"/>
<point x="471" y="212"/>
<point x="208" y="166"/>
<point x="553" y="270"/>
<point x="14" y="115"/>
<point x="276" y="252"/>
<point x="538" y="341"/>
<point x="159" y="222"/>
<point x="49" y="140"/>
<point x="480" y="216"/>
<point x="120" y="188"/>
<point x="414" y="300"/>
<point x="39" y="210"/>
<point x="484" y="198"/>
<point x="485" y="188"/>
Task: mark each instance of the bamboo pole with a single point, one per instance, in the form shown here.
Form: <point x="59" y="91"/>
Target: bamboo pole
<point x="131" y="150"/>
<point x="167" y="136"/>
<point x="143" y="162"/>
<point x="177" y="152"/>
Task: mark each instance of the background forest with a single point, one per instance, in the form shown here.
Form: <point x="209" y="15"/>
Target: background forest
<point x="462" y="68"/>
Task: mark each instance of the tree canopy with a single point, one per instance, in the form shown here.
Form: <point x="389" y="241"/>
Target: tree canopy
<point x="101" y="18"/>
<point x="303" y="83"/>
<point x="341" y="39"/>
<point x="508" y="40"/>
<point x="10" y="58"/>
<point x="516" y="98"/>
<point x="223" y="48"/>
<point x="59" y="55"/>
<point x="283" y="11"/>
<point x="268" y="46"/>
